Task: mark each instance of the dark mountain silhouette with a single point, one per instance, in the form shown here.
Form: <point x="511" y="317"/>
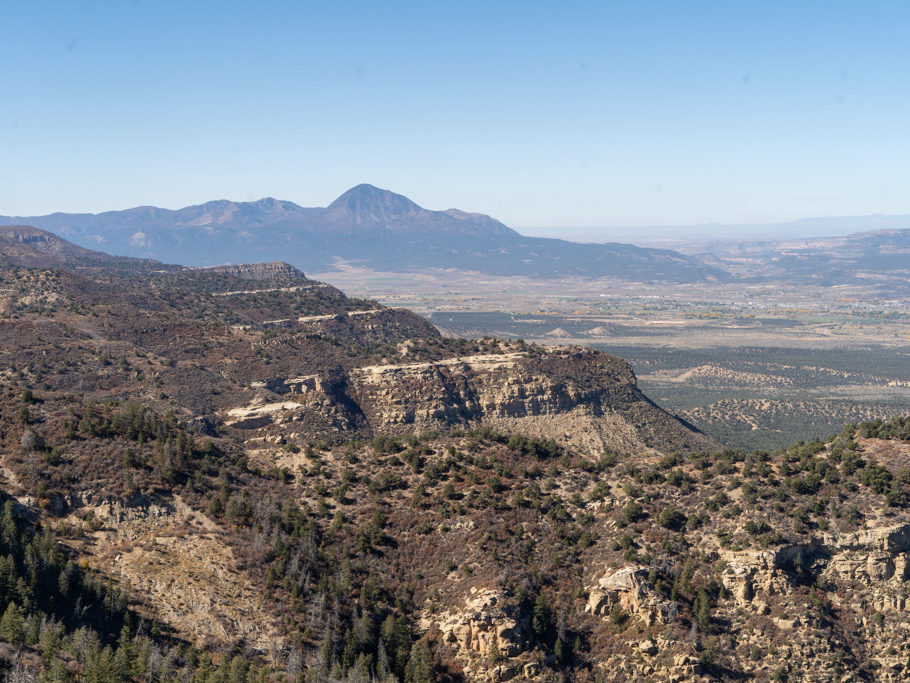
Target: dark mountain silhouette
<point x="373" y="227"/>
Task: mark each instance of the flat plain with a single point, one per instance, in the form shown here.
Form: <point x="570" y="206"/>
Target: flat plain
<point x="753" y="365"/>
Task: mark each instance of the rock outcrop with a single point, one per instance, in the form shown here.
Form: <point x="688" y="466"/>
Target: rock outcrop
<point x="628" y="590"/>
<point x="176" y="559"/>
<point x="865" y="572"/>
<point x="488" y="630"/>
<point x="580" y="398"/>
<point x="869" y="558"/>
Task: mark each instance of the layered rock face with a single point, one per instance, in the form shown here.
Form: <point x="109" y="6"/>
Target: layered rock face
<point x="580" y="398"/>
<point x="875" y="558"/>
<point x="864" y="574"/>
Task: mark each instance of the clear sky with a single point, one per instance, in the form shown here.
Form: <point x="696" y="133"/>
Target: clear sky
<point x="539" y="113"/>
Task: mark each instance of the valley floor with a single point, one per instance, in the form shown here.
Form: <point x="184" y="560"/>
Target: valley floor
<point x="757" y="366"/>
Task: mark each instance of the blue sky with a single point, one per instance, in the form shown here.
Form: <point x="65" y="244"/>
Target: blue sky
<point x="539" y="113"/>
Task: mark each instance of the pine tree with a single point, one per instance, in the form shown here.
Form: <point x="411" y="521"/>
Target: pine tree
<point x="396" y="636"/>
<point x="420" y="668"/>
<point x="204" y="670"/>
<point x="12" y="625"/>
<point x="50" y="641"/>
<point x="702" y="609"/>
<point x="57" y="673"/>
<point x="540" y="618"/>
<point x="560" y="651"/>
<point x="121" y="666"/>
<point x="382" y="662"/>
<point x="32" y="630"/>
<point x="141" y="648"/>
<point x="238" y="670"/>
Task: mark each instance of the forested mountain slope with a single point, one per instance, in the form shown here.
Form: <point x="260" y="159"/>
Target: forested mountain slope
<point x="239" y="473"/>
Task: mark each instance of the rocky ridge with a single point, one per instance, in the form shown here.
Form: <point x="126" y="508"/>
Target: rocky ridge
<point x="579" y="398"/>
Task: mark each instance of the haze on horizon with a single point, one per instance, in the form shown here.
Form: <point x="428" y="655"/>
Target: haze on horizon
<point x="539" y="114"/>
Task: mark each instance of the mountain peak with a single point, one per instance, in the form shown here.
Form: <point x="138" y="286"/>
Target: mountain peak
<point x="270" y="203"/>
<point x="373" y="203"/>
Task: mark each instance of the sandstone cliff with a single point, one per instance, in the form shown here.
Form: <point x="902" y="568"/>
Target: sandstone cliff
<point x="579" y="398"/>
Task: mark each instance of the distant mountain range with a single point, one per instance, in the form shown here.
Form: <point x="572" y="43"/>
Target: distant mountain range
<point x="880" y="257"/>
<point x="690" y="239"/>
<point x="375" y="228"/>
<point x="385" y="231"/>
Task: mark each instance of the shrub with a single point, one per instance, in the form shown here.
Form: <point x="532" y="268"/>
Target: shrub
<point x="617" y="616"/>
<point x="671" y="518"/>
<point x="805" y="485"/>
<point x="599" y="492"/>
<point x="876" y="477"/>
<point x="632" y="512"/>
<point x="756" y="528"/>
<point x="679" y="479"/>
